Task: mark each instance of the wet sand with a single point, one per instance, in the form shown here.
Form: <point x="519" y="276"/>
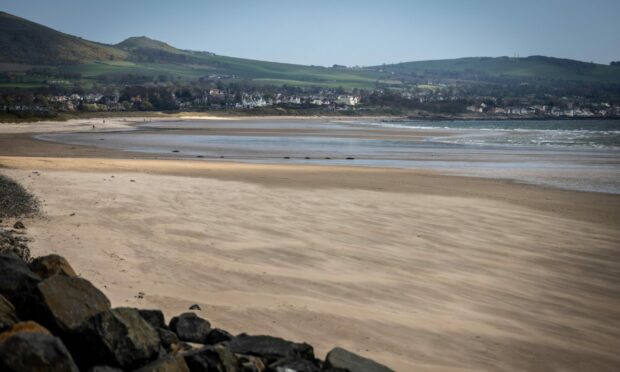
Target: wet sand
<point x="339" y="143"/>
<point x="416" y="269"/>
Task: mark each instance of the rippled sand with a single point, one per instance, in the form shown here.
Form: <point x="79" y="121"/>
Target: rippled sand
<point x="418" y="270"/>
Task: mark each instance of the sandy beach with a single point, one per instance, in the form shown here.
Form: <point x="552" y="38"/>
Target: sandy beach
<point x="416" y="269"/>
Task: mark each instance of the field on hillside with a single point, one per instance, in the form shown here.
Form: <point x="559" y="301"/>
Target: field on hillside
<point x="530" y="67"/>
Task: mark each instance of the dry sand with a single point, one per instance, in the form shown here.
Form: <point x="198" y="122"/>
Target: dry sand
<point x="417" y="270"/>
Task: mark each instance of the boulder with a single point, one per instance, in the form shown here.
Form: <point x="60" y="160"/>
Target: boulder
<point x="296" y="365"/>
<point x="7" y="314"/>
<point x="19" y="225"/>
<point x="339" y="358"/>
<point x="153" y="317"/>
<point x="170" y="363"/>
<point x="16" y="279"/>
<point x="190" y="327"/>
<point x="211" y="358"/>
<point x="118" y="337"/>
<point x="270" y="348"/>
<point x="38" y="352"/>
<point x="23" y="327"/>
<point x="217" y="335"/>
<point x="62" y="303"/>
<point x="47" y="266"/>
<point x="167" y="338"/>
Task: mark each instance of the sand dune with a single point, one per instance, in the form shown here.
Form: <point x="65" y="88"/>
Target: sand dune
<point x="416" y="270"/>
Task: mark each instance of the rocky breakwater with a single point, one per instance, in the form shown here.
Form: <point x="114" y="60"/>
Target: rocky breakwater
<point x="53" y="320"/>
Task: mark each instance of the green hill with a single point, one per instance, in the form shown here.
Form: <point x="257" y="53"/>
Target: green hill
<point x="22" y="41"/>
<point x="143" y="42"/>
<point x="485" y="68"/>
<point x="32" y="45"/>
<point x="25" y="44"/>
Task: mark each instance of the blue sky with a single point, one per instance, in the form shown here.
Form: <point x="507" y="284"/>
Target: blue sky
<point x="346" y="32"/>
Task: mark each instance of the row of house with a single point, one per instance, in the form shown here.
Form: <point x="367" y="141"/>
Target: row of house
<point x="602" y="110"/>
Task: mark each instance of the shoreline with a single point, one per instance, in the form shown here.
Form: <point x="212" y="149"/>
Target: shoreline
<point x="320" y="177"/>
<point x="222" y="115"/>
<point x="325" y="142"/>
<point x="412" y="268"/>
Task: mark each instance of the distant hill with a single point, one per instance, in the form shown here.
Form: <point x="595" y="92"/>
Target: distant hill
<point x="32" y="45"/>
<point x="143" y="42"/>
<point x="22" y="41"/>
<point x="533" y="67"/>
<point x="28" y="44"/>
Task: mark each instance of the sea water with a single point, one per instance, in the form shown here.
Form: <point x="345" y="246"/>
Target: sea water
<point x="580" y="155"/>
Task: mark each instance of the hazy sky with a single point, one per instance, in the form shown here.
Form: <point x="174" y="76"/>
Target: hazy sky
<point x="324" y="32"/>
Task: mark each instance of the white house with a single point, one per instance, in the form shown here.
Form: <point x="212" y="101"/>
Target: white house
<point x="347" y="100"/>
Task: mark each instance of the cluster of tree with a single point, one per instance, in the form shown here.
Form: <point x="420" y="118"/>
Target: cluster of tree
<point x="133" y="79"/>
<point x="389" y="99"/>
<point x="151" y="55"/>
<point x="19" y="77"/>
<point x="540" y="92"/>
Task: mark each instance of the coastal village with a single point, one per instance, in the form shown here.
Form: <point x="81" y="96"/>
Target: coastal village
<point x="437" y="99"/>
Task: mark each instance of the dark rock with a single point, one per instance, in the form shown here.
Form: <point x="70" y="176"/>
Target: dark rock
<point x="104" y="369"/>
<point x="350" y="158"/>
<point x="16" y="279"/>
<point x="170" y="363"/>
<point x="271" y="348"/>
<point x="218" y="335"/>
<point x="296" y="365"/>
<point x="119" y="337"/>
<point x="26" y="351"/>
<point x="202" y="360"/>
<point x="339" y="358"/>
<point x="190" y="327"/>
<point x="7" y="314"/>
<point x="211" y="358"/>
<point x="23" y="327"/>
<point x="229" y="361"/>
<point x="62" y="303"/>
<point x="195" y="307"/>
<point x="47" y="266"/>
<point x="167" y="338"/>
<point x="153" y="317"/>
<point x="19" y="225"/>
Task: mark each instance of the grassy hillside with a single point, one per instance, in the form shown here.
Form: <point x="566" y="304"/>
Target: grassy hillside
<point x="143" y="42"/>
<point x="534" y="67"/>
<point x="22" y="41"/>
<point x="25" y="44"/>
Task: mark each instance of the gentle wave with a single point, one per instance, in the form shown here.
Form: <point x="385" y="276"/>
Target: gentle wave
<point x="603" y="134"/>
